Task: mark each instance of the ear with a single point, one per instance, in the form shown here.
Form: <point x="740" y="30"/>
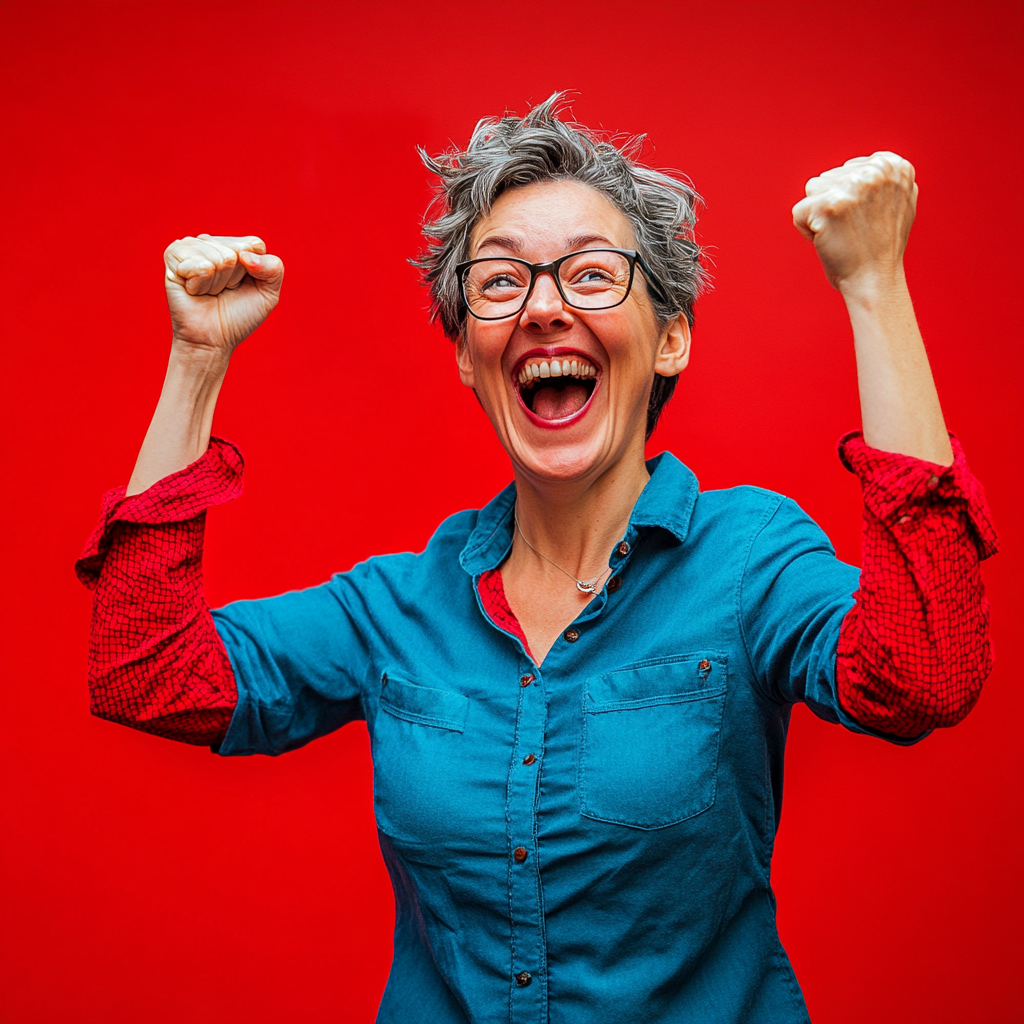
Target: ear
<point x="464" y="361"/>
<point x="673" y="353"/>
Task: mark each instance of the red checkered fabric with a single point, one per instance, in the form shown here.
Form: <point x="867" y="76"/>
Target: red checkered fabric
<point x="156" y="662"/>
<point x="913" y="652"/>
<point x="492" y="596"/>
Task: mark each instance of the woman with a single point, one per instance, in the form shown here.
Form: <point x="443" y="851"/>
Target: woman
<point x="578" y="695"/>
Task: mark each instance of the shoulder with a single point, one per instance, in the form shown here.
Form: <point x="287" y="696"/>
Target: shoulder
<point x="440" y="555"/>
<point x="744" y="510"/>
<point x="742" y="499"/>
<point x="758" y="522"/>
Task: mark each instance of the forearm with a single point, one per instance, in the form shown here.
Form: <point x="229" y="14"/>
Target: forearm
<point x="900" y="409"/>
<point x="179" y="432"/>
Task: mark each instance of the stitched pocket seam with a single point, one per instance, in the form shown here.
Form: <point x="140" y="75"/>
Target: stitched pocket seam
<point x="415" y="716"/>
<point x="601" y="707"/>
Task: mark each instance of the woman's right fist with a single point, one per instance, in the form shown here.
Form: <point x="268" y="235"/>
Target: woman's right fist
<point x="219" y="289"/>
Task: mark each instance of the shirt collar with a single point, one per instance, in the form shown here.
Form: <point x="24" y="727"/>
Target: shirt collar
<point x="666" y="502"/>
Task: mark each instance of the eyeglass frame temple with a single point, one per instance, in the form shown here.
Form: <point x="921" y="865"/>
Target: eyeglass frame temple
<point x="552" y="268"/>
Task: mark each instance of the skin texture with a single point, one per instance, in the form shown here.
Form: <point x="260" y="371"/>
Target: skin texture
<point x="219" y="290"/>
<point x="577" y="484"/>
<point x="859" y="216"/>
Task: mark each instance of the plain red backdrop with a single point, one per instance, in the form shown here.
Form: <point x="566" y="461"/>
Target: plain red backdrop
<point x="146" y="881"/>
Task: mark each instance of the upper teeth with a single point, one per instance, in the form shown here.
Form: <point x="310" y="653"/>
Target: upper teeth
<point x="572" y="367"/>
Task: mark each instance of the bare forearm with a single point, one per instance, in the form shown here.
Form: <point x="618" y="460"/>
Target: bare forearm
<point x="220" y="288"/>
<point x="859" y="217"/>
<point x="900" y="408"/>
<point x="179" y="432"/>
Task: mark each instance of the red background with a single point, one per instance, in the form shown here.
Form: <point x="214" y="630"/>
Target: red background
<point x="149" y="881"/>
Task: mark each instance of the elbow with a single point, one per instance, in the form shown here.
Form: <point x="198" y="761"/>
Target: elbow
<point x="949" y="697"/>
<point x="102" y="706"/>
<point x="952" y="710"/>
<point x="115" y="696"/>
<point x="199" y="713"/>
<point x="910" y="704"/>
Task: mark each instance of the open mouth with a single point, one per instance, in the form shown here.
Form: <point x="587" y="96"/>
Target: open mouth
<point x="555" y="388"/>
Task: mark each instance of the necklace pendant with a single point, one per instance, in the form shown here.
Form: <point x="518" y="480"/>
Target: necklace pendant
<point x="585" y="588"/>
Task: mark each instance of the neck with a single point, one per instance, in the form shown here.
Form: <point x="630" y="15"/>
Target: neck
<point x="576" y="523"/>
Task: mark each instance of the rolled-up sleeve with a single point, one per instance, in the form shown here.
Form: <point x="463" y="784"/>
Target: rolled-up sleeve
<point x="914" y="650"/>
<point x="156" y="662"/>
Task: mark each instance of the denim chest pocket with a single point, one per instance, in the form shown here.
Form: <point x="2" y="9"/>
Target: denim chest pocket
<point x="417" y="749"/>
<point x="649" y="748"/>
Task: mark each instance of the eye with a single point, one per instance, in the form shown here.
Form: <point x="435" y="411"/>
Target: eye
<point x="500" y="282"/>
<point x="591" y="278"/>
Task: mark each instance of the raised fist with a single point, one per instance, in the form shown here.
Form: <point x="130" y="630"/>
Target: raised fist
<point x="219" y="289"/>
<point x="859" y="217"/>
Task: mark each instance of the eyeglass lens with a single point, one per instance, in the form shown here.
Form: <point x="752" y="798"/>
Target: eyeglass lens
<point x="590" y="280"/>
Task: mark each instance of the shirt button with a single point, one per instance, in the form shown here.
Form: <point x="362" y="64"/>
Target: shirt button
<point x="519" y="854"/>
<point x="523" y="978"/>
<point x="529" y="759"/>
<point x="933" y="482"/>
<point x="571" y="635"/>
<point x="613" y="585"/>
<point x="623" y="549"/>
<point x="526" y="680"/>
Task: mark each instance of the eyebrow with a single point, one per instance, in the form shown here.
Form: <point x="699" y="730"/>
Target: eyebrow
<point x="504" y="242"/>
<point x="572" y="243"/>
<point x="582" y="241"/>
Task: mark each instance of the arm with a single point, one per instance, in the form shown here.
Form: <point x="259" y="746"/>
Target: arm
<point x="914" y="650"/>
<point x="156" y="661"/>
<point x="859" y="218"/>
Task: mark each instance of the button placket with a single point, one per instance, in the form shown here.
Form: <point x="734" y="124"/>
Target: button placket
<point x="528" y="976"/>
<point x="625" y="547"/>
<point x="620" y="555"/>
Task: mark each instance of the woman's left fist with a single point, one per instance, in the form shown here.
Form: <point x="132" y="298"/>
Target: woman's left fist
<point x="859" y="218"/>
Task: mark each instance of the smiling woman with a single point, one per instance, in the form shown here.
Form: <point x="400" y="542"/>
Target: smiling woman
<point x="578" y="753"/>
<point x="511" y="153"/>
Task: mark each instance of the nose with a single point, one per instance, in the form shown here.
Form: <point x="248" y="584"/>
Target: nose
<point x="545" y="310"/>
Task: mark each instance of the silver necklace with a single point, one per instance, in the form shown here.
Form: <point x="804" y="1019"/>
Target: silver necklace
<point x="583" y="586"/>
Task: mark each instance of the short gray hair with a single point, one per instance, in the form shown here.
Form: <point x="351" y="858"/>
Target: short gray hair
<point x="508" y="152"/>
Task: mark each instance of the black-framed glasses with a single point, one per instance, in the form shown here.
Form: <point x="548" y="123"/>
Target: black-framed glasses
<point x="496" y="287"/>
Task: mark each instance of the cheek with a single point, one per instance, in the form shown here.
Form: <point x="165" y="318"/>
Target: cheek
<point x="486" y="346"/>
<point x="634" y="357"/>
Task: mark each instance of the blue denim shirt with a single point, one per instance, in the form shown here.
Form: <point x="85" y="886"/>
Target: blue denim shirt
<point x="590" y="840"/>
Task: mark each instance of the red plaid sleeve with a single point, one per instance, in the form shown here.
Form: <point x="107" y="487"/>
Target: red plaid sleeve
<point x="914" y="650"/>
<point x="156" y="662"/>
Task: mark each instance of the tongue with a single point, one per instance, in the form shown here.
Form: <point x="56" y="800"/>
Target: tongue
<point x="557" y="403"/>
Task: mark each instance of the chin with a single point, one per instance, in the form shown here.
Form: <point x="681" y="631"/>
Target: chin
<point x="560" y="459"/>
